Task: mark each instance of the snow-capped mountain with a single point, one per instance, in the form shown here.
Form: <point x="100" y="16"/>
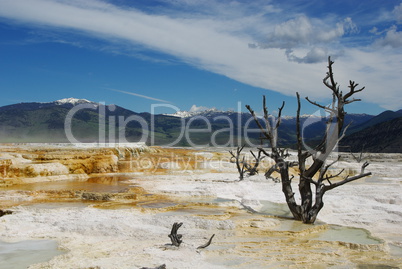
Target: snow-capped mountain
<point x="67" y="103"/>
<point x="40" y="121"/>
<point x="72" y="101"/>
<point x="211" y="112"/>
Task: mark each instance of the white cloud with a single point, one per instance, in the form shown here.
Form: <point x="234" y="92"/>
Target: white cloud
<point x="218" y="42"/>
<point x="378" y="72"/>
<point x="294" y="31"/>
<point x="389" y="37"/>
<point x="392" y="38"/>
<point x="195" y="108"/>
<point x="315" y="55"/>
<point x="397" y="12"/>
<point x="310" y="34"/>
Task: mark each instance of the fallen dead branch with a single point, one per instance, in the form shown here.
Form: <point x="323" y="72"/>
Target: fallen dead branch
<point x="208" y="243"/>
<point x="177" y="238"/>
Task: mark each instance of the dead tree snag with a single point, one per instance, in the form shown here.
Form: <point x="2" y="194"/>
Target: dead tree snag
<point x="314" y="175"/>
<point x="174" y="237"/>
<point x="242" y="165"/>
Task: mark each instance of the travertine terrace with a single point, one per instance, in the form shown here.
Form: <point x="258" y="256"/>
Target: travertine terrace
<point x="113" y="207"/>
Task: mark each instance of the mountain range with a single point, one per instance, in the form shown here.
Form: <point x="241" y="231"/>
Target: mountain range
<point x="80" y="120"/>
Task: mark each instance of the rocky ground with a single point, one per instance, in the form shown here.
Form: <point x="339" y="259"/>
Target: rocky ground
<point x="114" y="208"/>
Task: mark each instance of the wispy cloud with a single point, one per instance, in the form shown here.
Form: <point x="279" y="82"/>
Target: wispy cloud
<point x="217" y="40"/>
<point x="142" y="96"/>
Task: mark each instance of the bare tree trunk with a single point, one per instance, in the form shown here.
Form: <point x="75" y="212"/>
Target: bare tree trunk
<point x="288" y="192"/>
<point x="236" y="159"/>
<point x="174" y="237"/>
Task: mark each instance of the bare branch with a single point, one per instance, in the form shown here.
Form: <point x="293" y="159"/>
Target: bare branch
<point x="273" y="168"/>
<point x="265" y="132"/>
<point x="330" y="75"/>
<point x="349" y="179"/>
<point x="351" y="101"/>
<point x="266" y="153"/>
<point x="346" y="180"/>
<point x="253" y="170"/>
<point x="325" y="169"/>
<point x="352" y="86"/>
<point x="208" y="243"/>
<point x="278" y="122"/>
<point x="328" y="177"/>
<point x="266" y="116"/>
<point x="365" y="164"/>
<point x="325" y="81"/>
<point x="269" y="131"/>
<point x="326" y="108"/>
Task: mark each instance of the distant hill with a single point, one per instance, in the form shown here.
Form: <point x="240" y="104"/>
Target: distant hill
<point x="45" y="122"/>
<point x="94" y="122"/>
<point x="383" y="137"/>
<point x="313" y="126"/>
<point x="382" y="117"/>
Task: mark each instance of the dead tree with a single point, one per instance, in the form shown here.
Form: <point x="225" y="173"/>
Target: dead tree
<point x="253" y="170"/>
<point x="242" y="165"/>
<point x="174" y="237"/>
<point x="359" y="158"/>
<point x="315" y="175"/>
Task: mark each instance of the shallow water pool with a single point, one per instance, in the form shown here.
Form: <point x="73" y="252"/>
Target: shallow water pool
<point x="333" y="233"/>
<point x="21" y="254"/>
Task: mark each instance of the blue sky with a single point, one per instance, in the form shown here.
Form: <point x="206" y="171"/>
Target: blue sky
<point x="211" y="53"/>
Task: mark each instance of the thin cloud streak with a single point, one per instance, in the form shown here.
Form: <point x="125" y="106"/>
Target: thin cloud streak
<point x="142" y="96"/>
